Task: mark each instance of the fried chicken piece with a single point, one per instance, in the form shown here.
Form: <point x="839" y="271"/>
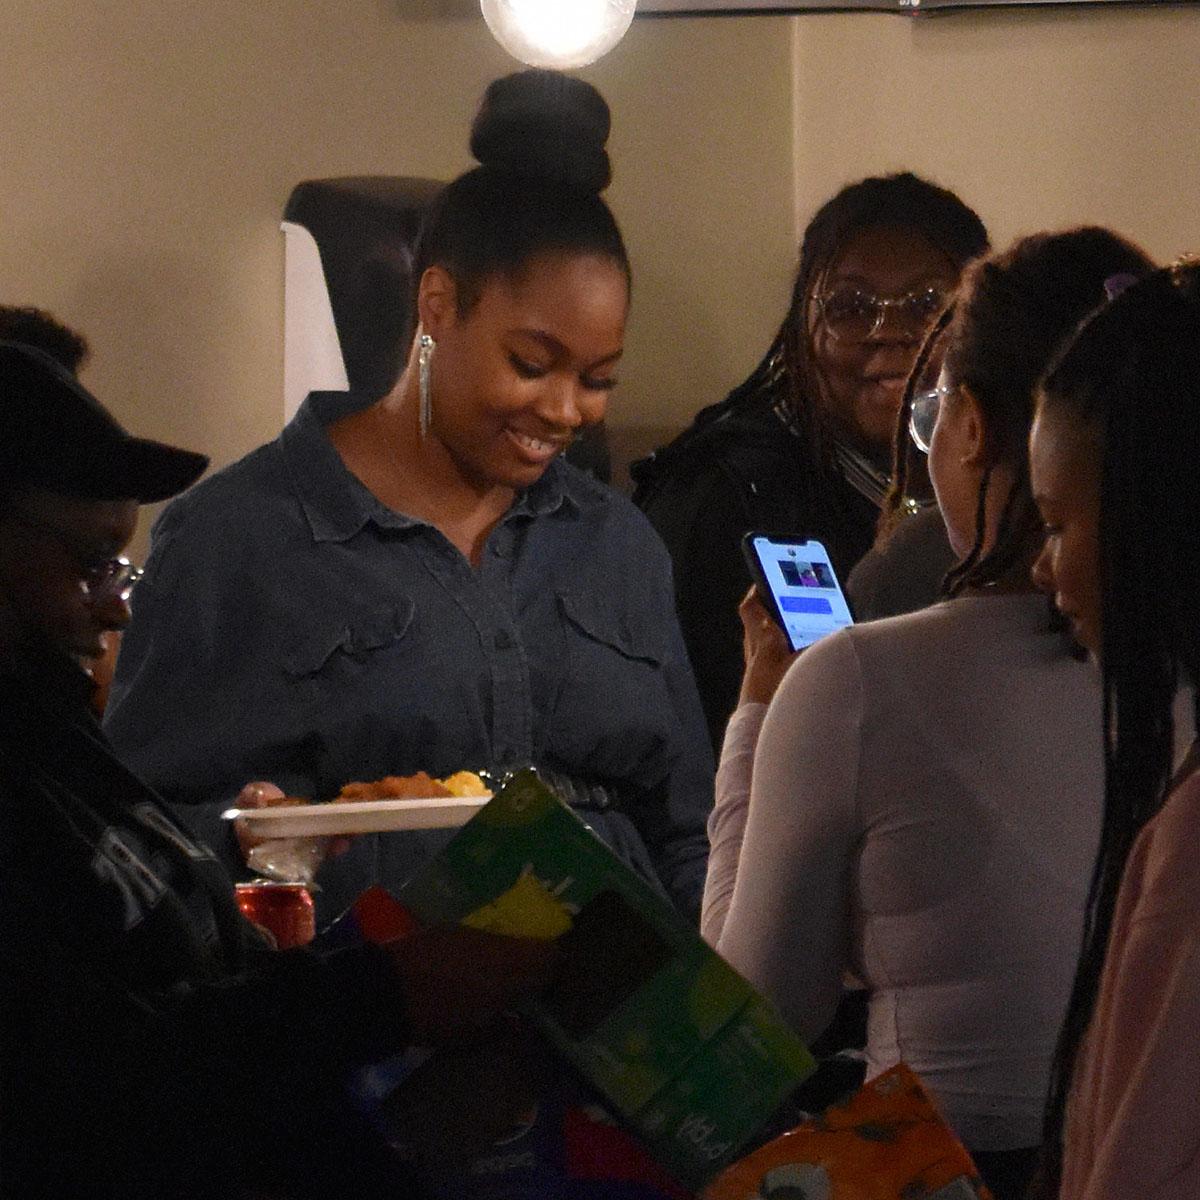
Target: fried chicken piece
<point x="409" y="787"/>
<point x="395" y="787"/>
<point x="357" y="791"/>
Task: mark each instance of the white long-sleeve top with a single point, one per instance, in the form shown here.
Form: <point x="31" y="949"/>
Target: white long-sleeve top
<point x="921" y="808"/>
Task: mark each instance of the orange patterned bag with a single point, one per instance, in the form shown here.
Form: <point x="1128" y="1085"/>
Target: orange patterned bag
<point x="887" y="1142"/>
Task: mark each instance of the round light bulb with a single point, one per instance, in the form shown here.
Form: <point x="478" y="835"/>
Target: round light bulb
<point x="563" y="34"/>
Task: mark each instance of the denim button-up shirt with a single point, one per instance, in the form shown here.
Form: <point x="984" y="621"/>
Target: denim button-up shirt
<point x="292" y="628"/>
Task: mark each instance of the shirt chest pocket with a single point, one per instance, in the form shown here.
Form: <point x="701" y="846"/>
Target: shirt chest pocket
<point x="613" y="705"/>
<point x="593" y="625"/>
<point x="355" y="643"/>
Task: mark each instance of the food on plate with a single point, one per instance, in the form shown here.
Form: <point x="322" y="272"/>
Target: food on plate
<point x="415" y="787"/>
<point x="465" y="783"/>
<point x="394" y="787"/>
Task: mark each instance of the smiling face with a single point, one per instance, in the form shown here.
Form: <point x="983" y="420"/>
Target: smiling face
<point x="49" y="547"/>
<point x="864" y="379"/>
<point x="528" y="366"/>
<point x="1065" y="469"/>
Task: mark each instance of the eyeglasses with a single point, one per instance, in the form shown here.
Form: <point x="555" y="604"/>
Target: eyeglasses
<point x="114" y="579"/>
<point x="924" y="414"/>
<point x="103" y="582"/>
<point x="852" y="315"/>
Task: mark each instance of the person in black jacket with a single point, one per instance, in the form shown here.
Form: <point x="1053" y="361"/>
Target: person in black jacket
<point x="153" y="1044"/>
<point x="804" y="444"/>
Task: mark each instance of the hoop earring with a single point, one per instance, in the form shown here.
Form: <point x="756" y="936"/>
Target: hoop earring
<point x="424" y="358"/>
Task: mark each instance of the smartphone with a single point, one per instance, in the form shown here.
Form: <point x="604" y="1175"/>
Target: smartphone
<point x="798" y="587"/>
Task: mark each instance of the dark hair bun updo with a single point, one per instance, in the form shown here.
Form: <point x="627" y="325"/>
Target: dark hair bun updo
<point x="539" y="124"/>
<point x="539" y="137"/>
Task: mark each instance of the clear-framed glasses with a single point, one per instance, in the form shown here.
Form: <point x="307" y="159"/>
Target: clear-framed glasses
<point x="102" y="582"/>
<point x="922" y="417"/>
<point x="853" y="315"/>
<point x="114" y="579"/>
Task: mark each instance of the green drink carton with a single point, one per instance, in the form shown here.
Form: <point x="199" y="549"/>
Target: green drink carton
<point x="681" y="1046"/>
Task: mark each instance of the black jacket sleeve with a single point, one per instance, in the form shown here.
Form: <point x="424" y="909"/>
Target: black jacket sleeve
<point x="701" y="517"/>
<point x="229" y="1088"/>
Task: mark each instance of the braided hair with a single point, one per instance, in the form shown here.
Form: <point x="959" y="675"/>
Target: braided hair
<point x="903" y="497"/>
<point x="1014" y="310"/>
<point x="1131" y="380"/>
<point x="902" y="201"/>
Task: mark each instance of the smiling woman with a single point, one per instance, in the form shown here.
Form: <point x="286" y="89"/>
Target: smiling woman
<point x="804" y="444"/>
<point x="521" y="373"/>
<point x="422" y="583"/>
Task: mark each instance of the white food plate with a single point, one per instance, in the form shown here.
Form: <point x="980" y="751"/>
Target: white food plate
<point x="358" y="816"/>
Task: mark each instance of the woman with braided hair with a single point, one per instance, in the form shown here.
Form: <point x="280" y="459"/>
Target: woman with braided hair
<point x="1113" y="453"/>
<point x="918" y="805"/>
<point x="804" y="445"/>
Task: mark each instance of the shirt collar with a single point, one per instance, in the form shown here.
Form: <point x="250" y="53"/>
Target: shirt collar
<point x="559" y="488"/>
<point x="337" y="505"/>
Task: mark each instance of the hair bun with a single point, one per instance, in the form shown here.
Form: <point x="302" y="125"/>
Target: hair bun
<point x="544" y="125"/>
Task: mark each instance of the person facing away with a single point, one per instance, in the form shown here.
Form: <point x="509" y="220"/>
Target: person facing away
<point x="421" y="583"/>
<point x="154" y="1045"/>
<point x="1113" y="455"/>
<point x="804" y="444"/>
<point x="919" y="804"/>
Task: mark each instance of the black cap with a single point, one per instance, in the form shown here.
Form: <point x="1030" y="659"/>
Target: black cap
<point x="55" y="434"/>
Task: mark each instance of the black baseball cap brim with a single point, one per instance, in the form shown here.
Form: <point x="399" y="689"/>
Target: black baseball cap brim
<point x="56" y="435"/>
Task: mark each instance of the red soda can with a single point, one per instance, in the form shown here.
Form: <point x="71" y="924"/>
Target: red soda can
<point x="284" y="910"/>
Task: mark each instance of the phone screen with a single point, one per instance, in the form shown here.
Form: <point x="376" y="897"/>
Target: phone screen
<point x="799" y="576"/>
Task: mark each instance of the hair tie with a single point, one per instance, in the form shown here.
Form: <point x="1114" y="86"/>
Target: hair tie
<point x="1114" y="285"/>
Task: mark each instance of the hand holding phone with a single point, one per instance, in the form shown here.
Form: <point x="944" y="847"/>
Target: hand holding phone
<point x="797" y="585"/>
<point x="767" y="654"/>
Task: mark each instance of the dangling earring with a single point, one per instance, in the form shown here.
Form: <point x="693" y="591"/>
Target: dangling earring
<point x="424" y="357"/>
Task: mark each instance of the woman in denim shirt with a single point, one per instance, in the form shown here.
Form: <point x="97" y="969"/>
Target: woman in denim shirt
<point x="422" y="583"/>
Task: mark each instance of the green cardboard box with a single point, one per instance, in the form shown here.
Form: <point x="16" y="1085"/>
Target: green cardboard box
<point x="679" y="1043"/>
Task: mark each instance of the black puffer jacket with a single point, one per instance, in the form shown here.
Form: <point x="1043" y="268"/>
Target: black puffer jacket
<point x="739" y="467"/>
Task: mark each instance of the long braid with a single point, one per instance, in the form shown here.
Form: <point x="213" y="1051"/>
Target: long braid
<point x="1017" y="540"/>
<point x="1133" y="378"/>
<point x="957" y="576"/>
<point x="902" y="445"/>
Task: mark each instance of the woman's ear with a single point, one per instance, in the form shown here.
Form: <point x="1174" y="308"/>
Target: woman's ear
<point x="977" y="448"/>
<point x="437" y="301"/>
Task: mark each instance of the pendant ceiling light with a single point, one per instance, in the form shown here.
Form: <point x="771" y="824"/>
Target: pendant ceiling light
<point x="562" y="34"/>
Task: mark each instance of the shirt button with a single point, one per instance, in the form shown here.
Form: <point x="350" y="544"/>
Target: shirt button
<point x="503" y="641"/>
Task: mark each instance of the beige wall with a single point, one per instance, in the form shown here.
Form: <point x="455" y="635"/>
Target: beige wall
<point x="1039" y="119"/>
<point x="702" y="147"/>
<point x="148" y="147"/>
